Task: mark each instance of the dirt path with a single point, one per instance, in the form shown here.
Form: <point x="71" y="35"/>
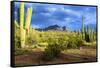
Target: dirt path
<point x="35" y="58"/>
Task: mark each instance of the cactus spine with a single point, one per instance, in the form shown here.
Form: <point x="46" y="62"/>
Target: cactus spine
<point x="24" y="29"/>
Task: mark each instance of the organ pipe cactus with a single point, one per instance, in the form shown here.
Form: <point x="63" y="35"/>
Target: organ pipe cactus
<point x="87" y="38"/>
<point x="89" y="34"/>
<point x="24" y="29"/>
<point x="82" y="27"/>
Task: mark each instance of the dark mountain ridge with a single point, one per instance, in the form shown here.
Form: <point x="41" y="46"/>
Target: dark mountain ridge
<point x="52" y="27"/>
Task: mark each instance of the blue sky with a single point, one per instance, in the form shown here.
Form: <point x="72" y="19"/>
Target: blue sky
<point x="44" y="15"/>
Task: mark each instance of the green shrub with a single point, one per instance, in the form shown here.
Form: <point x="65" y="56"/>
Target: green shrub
<point x="52" y="51"/>
<point x="17" y="38"/>
<point x="19" y="51"/>
<point x="74" y="41"/>
<point x="17" y="42"/>
<point x="56" y="44"/>
<point x="30" y="41"/>
<point x="43" y="44"/>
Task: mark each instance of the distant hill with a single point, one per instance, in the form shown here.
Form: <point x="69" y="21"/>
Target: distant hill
<point x="52" y="27"/>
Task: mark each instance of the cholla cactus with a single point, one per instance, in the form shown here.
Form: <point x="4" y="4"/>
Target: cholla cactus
<point x="24" y="29"/>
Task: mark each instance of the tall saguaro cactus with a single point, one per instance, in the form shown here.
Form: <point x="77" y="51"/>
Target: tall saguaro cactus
<point x="24" y="29"/>
<point x="21" y="18"/>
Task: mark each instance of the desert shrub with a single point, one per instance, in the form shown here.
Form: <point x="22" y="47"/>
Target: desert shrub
<point x="32" y="38"/>
<point x="52" y="51"/>
<point x="17" y="38"/>
<point x="63" y="42"/>
<point x="19" y="51"/>
<point x="56" y="44"/>
<point x="29" y="41"/>
<point x="74" y="41"/>
<point x="43" y="44"/>
<point x="17" y="43"/>
<point x="35" y="46"/>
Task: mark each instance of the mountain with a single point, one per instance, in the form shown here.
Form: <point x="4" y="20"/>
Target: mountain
<point x="52" y="27"/>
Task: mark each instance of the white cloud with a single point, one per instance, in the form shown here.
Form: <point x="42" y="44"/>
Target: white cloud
<point x="90" y="18"/>
<point x="51" y="9"/>
<point x="46" y="14"/>
<point x="73" y="12"/>
<point x="68" y="20"/>
<point x="36" y="26"/>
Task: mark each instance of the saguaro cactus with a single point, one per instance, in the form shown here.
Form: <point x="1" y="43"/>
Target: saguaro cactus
<point x="24" y="29"/>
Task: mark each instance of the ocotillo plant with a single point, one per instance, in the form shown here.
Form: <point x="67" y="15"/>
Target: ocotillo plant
<point x="24" y="29"/>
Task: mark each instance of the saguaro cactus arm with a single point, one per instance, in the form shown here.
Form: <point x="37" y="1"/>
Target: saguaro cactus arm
<point x="28" y="19"/>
